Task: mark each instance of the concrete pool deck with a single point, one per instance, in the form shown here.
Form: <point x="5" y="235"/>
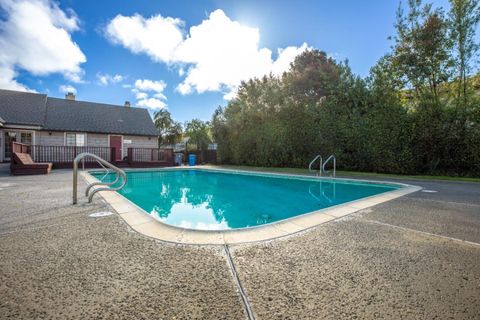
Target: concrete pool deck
<point x="417" y="256"/>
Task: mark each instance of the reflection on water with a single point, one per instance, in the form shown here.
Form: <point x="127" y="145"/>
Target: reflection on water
<point x="187" y="215"/>
<point x="323" y="192"/>
<point x="218" y="201"/>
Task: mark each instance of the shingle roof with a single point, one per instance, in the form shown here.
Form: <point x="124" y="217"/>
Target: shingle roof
<point x="66" y="115"/>
<point x="22" y="107"/>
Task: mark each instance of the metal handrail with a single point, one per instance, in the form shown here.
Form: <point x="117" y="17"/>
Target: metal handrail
<point x="332" y="157"/>
<point x="312" y="162"/>
<point x="102" y="162"/>
<point x="101" y="182"/>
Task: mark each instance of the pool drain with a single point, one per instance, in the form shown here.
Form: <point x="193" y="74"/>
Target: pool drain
<point x="100" y="214"/>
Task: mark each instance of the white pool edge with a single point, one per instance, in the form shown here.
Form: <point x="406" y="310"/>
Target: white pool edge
<point x="143" y="223"/>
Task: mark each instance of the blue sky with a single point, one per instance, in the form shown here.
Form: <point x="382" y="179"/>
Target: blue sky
<point x="141" y="59"/>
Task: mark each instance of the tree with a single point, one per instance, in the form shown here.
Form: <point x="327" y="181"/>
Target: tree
<point x="464" y="18"/>
<point x="199" y="133"/>
<point x="421" y="53"/>
<point x="220" y="134"/>
<point x="401" y="119"/>
<point x="169" y="130"/>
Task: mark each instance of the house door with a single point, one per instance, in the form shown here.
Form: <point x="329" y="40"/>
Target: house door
<point x="116" y="142"/>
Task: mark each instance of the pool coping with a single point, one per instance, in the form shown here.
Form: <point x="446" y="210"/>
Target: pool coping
<point x="143" y="223"/>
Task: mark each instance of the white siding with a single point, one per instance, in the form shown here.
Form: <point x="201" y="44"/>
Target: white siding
<point x="97" y="140"/>
<point x="2" y="144"/>
<point x="43" y="138"/>
<point x="139" y="142"/>
<point x="58" y="139"/>
<point x="55" y="138"/>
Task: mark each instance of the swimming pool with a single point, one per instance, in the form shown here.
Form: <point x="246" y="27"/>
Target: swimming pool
<point x="203" y="199"/>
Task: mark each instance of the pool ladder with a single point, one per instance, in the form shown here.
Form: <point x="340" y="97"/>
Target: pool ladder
<point x="318" y="157"/>
<point x="322" y="171"/>
<point x="105" y="165"/>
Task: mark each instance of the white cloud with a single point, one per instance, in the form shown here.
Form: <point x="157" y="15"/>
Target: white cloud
<point x="67" y="89"/>
<point x="7" y="78"/>
<point x="140" y="95"/>
<point x="143" y="88"/>
<point x="117" y="78"/>
<point x="151" y="103"/>
<point x="285" y="58"/>
<point x="35" y="36"/>
<point x="215" y="55"/>
<point x="156" y="36"/>
<point x="149" y="85"/>
<point x="160" y="95"/>
<point x="106" y="79"/>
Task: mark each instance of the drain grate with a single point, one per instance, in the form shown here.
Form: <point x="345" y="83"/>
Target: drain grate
<point x="100" y="214"/>
<point x="429" y="191"/>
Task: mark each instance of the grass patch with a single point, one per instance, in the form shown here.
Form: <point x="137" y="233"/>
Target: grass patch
<point x="341" y="173"/>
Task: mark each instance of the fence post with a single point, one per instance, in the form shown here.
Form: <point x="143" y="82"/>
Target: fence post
<point x="113" y="155"/>
<point x="11" y="157"/>
<point x="129" y="156"/>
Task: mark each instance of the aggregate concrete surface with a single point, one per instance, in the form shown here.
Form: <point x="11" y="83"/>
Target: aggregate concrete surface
<point x="391" y="261"/>
<point x="58" y="263"/>
<point x="351" y="269"/>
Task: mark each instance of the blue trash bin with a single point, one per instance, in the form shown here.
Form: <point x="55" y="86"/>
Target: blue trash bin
<point x="192" y="159"/>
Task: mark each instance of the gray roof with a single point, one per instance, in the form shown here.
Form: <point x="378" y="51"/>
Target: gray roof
<point x="22" y="107"/>
<point x="66" y="115"/>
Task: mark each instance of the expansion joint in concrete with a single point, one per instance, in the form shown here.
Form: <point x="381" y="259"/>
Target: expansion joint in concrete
<point x="422" y="232"/>
<point x="243" y="295"/>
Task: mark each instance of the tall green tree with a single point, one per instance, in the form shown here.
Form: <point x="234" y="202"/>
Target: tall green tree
<point x="199" y="133"/>
<point x="170" y="131"/>
<point x="421" y="51"/>
<point x="464" y="17"/>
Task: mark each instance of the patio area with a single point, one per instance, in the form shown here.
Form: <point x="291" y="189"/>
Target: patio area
<point x="417" y="256"/>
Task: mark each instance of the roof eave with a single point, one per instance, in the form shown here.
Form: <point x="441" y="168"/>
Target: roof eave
<point x="101" y="132"/>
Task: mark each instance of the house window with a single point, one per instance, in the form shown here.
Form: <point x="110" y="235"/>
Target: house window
<point x="75" y="139"/>
<point x="26" y="137"/>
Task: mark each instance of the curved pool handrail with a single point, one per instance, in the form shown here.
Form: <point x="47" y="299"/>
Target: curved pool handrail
<point x="332" y="157"/>
<point x="120" y="174"/>
<point x="312" y="162"/>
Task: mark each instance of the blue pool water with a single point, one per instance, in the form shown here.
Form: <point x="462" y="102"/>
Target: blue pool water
<point x="207" y="200"/>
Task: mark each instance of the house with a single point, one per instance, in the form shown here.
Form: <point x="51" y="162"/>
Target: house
<point x="37" y="119"/>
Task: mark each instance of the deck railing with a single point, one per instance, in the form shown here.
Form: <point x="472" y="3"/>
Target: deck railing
<point x="150" y="157"/>
<point x="63" y="156"/>
<point x="20" y="147"/>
